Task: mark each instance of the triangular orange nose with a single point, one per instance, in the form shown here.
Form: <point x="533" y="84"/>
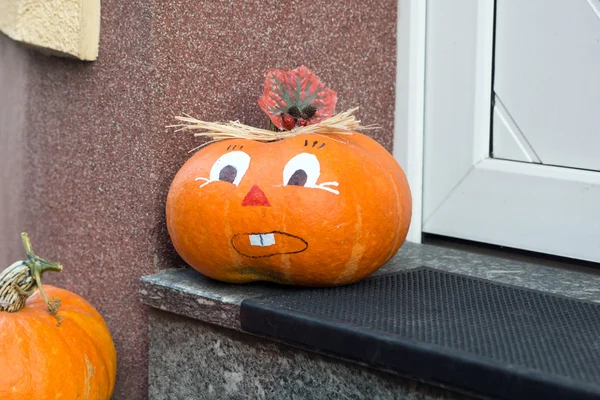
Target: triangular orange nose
<point x="256" y="197"/>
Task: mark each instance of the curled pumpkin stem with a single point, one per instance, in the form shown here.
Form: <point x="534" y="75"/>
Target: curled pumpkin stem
<point x="19" y="281"/>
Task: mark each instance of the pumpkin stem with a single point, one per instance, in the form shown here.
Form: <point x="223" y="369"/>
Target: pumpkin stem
<point x="19" y="281"/>
<point x="37" y="265"/>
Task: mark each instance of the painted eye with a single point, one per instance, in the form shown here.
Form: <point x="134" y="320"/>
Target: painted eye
<point x="298" y="178"/>
<point x="302" y="170"/>
<point x="230" y="167"/>
<point x="228" y="173"/>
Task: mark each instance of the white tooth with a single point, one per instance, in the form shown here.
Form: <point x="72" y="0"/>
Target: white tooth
<point x="255" y="240"/>
<point x="262" y="240"/>
<point x="268" y="239"/>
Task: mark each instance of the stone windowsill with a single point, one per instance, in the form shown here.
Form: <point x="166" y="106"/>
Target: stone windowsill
<point x="188" y="293"/>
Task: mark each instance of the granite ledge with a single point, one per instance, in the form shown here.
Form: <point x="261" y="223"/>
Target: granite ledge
<point x="186" y="292"/>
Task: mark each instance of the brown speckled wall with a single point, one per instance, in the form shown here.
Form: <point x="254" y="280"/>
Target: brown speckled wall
<point x="99" y="160"/>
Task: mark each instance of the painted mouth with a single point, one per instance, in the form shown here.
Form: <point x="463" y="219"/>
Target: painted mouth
<point x="258" y="245"/>
<point x="262" y="239"/>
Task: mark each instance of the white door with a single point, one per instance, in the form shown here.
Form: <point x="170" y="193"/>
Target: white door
<point x="547" y="82"/>
<point x="512" y="124"/>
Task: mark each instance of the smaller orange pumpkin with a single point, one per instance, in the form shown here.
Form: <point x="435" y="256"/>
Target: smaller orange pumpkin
<point x="49" y="351"/>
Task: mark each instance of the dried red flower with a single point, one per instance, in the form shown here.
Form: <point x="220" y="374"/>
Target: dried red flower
<point x="296" y="91"/>
<point x="288" y="122"/>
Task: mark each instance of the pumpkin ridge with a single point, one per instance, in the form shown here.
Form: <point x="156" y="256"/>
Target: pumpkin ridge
<point x="285" y="258"/>
<point x="400" y="212"/>
<point x="403" y="212"/>
<point x="39" y="380"/>
<point x="73" y="305"/>
<point x="22" y="356"/>
<point x="46" y="324"/>
<point x="99" y="354"/>
<point x="76" y="358"/>
<point x="357" y="250"/>
<point x="229" y="234"/>
<point x="399" y="199"/>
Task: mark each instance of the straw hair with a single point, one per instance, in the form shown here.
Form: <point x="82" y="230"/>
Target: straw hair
<point x="344" y="123"/>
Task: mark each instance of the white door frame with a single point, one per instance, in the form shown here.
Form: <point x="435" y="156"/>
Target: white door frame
<point x="410" y="102"/>
<point x="467" y="194"/>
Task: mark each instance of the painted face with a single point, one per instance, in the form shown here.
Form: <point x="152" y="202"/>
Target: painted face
<point x="310" y="210"/>
<point x="301" y="170"/>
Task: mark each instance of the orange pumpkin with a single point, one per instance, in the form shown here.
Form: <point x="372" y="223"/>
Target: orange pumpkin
<point x="47" y="353"/>
<point x="316" y="210"/>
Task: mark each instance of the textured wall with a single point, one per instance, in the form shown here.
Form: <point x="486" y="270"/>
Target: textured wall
<point x="99" y="160"/>
<point x="13" y="100"/>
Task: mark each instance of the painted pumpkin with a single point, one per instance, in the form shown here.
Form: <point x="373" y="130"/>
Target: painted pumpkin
<point x="316" y="210"/>
<point x="46" y="351"/>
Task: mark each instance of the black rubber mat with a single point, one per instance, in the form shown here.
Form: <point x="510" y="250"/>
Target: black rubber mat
<point x="487" y="338"/>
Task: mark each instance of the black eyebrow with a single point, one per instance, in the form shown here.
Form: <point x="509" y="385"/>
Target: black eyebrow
<point x="228" y="147"/>
<point x="314" y="144"/>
